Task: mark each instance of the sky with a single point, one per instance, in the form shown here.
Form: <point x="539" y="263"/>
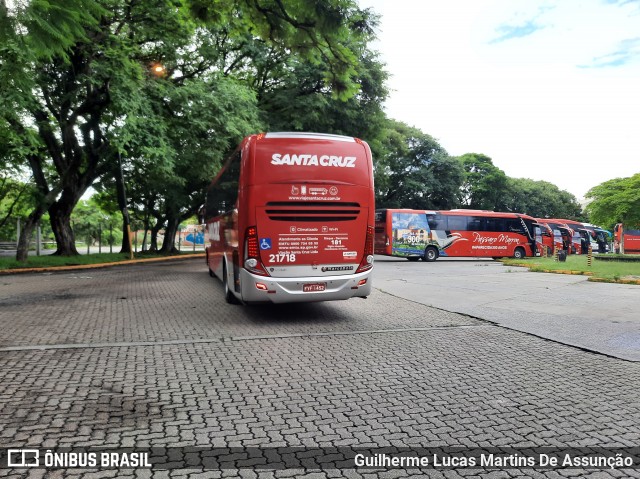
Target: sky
<point x="549" y="90"/>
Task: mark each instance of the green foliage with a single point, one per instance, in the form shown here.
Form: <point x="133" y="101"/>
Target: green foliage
<point x="540" y="199"/>
<point x="323" y="33"/>
<point x="615" y="201"/>
<point x="414" y="171"/>
<point x="91" y="223"/>
<point x="484" y="184"/>
<point x="16" y="201"/>
<point x="298" y="101"/>
<point x="603" y="270"/>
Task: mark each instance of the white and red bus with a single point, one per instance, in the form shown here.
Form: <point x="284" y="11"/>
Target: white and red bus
<point x="289" y="218"/>
<point x="423" y="234"/>
<point x="626" y="240"/>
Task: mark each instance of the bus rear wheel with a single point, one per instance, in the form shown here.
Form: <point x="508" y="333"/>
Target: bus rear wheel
<point x="228" y="294"/>
<point x="430" y="254"/>
<point x="519" y="253"/>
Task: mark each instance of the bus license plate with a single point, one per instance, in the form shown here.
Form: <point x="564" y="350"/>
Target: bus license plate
<point x="312" y="287"/>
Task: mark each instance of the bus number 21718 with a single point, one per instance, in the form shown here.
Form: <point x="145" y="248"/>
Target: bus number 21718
<point x="282" y="258"/>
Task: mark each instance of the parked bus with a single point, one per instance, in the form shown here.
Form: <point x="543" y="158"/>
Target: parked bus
<point x="289" y="218"/>
<point x="562" y="235"/>
<point x="600" y="238"/>
<point x="427" y="235"/>
<point x="402" y="232"/>
<point x="626" y="240"/>
<point x="544" y="239"/>
<point x="580" y="236"/>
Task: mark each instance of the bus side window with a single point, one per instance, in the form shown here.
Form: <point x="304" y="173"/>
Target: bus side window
<point x="495" y="225"/>
<point x="513" y="226"/>
<point x="223" y="194"/>
<point x="438" y="222"/>
<point x="476" y="223"/>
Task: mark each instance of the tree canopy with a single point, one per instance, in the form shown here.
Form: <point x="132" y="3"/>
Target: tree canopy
<point x="615" y="201"/>
<point x="414" y="171"/>
<point x="484" y="184"/>
<point x="540" y="199"/>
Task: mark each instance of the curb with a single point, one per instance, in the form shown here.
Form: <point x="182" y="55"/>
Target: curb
<point x="99" y="265"/>
<point x="616" y="281"/>
<point x="589" y="274"/>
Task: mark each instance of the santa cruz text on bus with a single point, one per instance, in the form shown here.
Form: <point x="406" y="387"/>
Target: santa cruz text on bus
<point x="313" y="160"/>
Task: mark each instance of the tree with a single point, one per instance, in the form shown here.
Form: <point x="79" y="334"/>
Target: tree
<point x="93" y="224"/>
<point x="294" y="97"/>
<point x="413" y="171"/>
<point x="540" y="199"/>
<point x="615" y="201"/>
<point x="484" y="186"/>
<point x="15" y="203"/>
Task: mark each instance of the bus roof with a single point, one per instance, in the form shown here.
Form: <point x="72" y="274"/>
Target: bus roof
<point x="560" y="220"/>
<point x="495" y="214"/>
<point x="308" y="136"/>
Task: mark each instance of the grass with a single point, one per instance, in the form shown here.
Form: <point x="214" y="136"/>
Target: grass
<point x="609" y="271"/>
<point x="9" y="263"/>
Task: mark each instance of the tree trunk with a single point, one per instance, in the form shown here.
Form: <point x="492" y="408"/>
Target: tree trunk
<point x="22" y="252"/>
<point x="155" y="229"/>
<point x="60" y="219"/>
<point x="169" y="243"/>
<point x="121" y="194"/>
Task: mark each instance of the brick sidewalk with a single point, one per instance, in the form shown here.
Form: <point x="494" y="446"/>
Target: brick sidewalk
<point x="153" y="357"/>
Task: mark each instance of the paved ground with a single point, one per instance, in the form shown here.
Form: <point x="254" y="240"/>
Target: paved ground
<point x="600" y="317"/>
<point x="152" y="356"/>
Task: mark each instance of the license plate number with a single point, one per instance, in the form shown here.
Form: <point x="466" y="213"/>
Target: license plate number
<point x="312" y="287"/>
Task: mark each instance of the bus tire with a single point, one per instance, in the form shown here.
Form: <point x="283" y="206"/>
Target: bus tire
<point x="228" y="294"/>
<point x="430" y="254"/>
<point x="519" y="253"/>
<point x="208" y="265"/>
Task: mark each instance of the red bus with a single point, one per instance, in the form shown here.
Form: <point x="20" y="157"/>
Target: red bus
<point x="544" y="239"/>
<point x="562" y="235"/>
<point x="289" y="218"/>
<point x="626" y="240"/>
<point x="423" y="234"/>
<point x="580" y="235"/>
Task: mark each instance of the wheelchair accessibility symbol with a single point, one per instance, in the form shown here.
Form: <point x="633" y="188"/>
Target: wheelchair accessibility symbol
<point x="265" y="243"/>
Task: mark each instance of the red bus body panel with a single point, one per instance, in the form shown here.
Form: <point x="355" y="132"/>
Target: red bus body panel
<point x="627" y="240"/>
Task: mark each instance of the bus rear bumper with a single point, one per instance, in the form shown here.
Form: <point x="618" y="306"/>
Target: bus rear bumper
<point x="261" y="289"/>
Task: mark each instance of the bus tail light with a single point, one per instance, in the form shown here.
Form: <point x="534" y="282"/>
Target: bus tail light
<point x="252" y="252"/>
<point x="367" y="258"/>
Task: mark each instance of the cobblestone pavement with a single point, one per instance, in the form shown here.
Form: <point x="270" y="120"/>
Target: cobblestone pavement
<point x="152" y="356"/>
